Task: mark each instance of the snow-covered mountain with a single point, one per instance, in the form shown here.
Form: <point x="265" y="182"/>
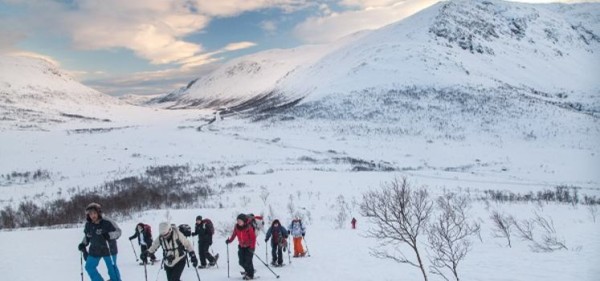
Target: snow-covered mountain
<point x="35" y="91"/>
<point x="550" y="51"/>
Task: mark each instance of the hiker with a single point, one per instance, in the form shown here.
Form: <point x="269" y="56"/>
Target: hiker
<point x="143" y="233"/>
<point x="297" y="230"/>
<point x="247" y="242"/>
<point x="353" y="222"/>
<point x="175" y="247"/>
<point x="278" y="243"/>
<point x="101" y="235"/>
<point x="205" y="231"/>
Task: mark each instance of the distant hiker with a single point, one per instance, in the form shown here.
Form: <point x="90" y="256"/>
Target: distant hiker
<point x="175" y="247"/>
<point x="101" y="235"/>
<point x="278" y="243"/>
<point x="205" y="231"/>
<point x="247" y="242"/>
<point x="143" y="233"/>
<point x="353" y="222"/>
<point x="297" y="230"/>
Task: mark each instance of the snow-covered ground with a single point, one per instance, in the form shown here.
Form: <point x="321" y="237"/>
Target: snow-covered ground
<point x="298" y="160"/>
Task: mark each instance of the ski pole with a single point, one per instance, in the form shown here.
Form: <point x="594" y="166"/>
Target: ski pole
<point x="306" y="243"/>
<point x="134" y="253"/>
<point x="227" y="260"/>
<point x="267" y="266"/>
<point x="114" y="264"/>
<point x="145" y="272"/>
<point x="266" y="252"/>
<point x="81" y="264"/>
<point x="197" y="274"/>
<point x="161" y="266"/>
<point x="289" y="250"/>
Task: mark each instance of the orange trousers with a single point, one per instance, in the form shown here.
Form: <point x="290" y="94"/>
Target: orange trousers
<point x="298" y="250"/>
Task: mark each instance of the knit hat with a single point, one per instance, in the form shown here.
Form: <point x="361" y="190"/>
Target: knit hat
<point x="242" y="217"/>
<point x="199" y="218"/>
<point x="164" y="228"/>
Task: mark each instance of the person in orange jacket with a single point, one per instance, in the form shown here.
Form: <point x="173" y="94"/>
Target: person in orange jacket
<point x="247" y="243"/>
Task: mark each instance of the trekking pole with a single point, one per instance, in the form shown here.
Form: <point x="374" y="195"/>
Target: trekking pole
<point x="134" y="253"/>
<point x="227" y="260"/>
<point x="145" y="272"/>
<point x="113" y="261"/>
<point x="266" y="252"/>
<point x="289" y="250"/>
<point x="197" y="274"/>
<point x="161" y="266"/>
<point x="267" y="266"/>
<point x="81" y="264"/>
<point x="306" y="243"/>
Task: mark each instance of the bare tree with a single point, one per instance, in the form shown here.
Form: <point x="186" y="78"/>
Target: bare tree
<point x="449" y="234"/>
<point x="525" y="229"/>
<point x="549" y="240"/>
<point x="264" y="194"/>
<point x="400" y="215"/>
<point x="593" y="210"/>
<point x="502" y="226"/>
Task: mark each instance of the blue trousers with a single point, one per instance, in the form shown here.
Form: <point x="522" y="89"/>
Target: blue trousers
<point x="91" y="266"/>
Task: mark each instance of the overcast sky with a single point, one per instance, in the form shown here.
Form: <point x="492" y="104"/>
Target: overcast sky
<point x="154" y="46"/>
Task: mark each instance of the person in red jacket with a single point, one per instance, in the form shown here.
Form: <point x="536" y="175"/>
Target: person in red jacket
<point x="247" y="242"/>
<point x="353" y="222"/>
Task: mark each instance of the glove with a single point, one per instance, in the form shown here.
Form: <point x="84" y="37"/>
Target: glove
<point x="266" y="240"/>
<point x="227" y="241"/>
<point x="289" y="232"/>
<point x="303" y="235"/>
<point x="81" y="247"/>
<point x="106" y="236"/>
<point x="194" y="259"/>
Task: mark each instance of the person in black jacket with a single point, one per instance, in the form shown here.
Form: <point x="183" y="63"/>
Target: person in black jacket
<point x="205" y="230"/>
<point x="101" y="235"/>
<point x="278" y="243"/>
<point x="144" y="236"/>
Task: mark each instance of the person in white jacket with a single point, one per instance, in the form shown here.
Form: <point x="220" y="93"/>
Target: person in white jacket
<point x="175" y="246"/>
<point x="297" y="230"/>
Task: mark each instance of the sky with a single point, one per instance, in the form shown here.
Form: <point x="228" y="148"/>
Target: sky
<point x="156" y="46"/>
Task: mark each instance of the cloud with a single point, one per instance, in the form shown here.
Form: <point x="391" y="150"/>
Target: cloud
<point x="39" y="56"/>
<point x="372" y="15"/>
<point x="149" y="82"/>
<point x="239" y="46"/>
<point x="154" y="30"/>
<point x="268" y="26"/>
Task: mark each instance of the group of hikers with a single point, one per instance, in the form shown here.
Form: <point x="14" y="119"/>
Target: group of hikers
<point x="101" y="236"/>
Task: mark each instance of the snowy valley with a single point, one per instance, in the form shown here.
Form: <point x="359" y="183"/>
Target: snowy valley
<point x="495" y="101"/>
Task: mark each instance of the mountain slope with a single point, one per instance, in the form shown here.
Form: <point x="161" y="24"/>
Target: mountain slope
<point x="549" y="51"/>
<point x="34" y="91"/>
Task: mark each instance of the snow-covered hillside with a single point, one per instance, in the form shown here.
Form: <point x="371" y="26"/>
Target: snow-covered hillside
<point x="34" y="91"/>
<point x="550" y="51"/>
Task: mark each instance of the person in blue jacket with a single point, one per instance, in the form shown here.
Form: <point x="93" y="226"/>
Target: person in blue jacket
<point x="101" y="235"/>
<point x="279" y="242"/>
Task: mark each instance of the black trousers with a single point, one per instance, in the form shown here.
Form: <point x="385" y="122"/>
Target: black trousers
<point x="145" y="257"/>
<point x="174" y="273"/>
<point x="245" y="255"/>
<point x="203" y="252"/>
<point x="277" y="253"/>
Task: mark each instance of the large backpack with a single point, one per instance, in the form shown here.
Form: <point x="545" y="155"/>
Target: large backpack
<point x="148" y="229"/>
<point x="185" y="229"/>
<point x="254" y="223"/>
<point x="208" y="225"/>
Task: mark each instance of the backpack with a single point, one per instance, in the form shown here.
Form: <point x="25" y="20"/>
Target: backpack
<point x="185" y="229"/>
<point x="148" y="229"/>
<point x="253" y="221"/>
<point x="209" y="226"/>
